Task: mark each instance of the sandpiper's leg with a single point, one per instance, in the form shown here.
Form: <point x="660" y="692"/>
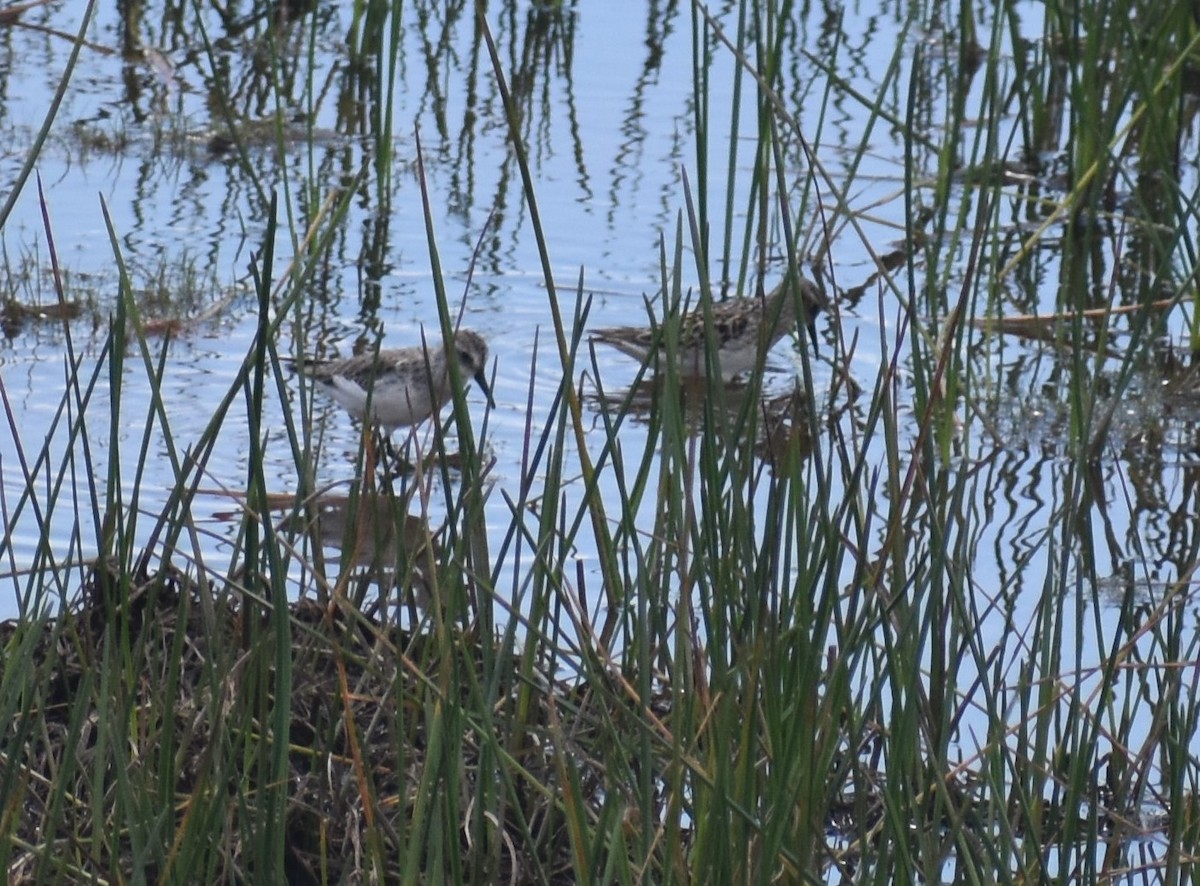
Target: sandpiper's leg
<point x="393" y="461"/>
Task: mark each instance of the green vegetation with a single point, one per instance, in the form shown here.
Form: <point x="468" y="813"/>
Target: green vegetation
<point x="795" y="674"/>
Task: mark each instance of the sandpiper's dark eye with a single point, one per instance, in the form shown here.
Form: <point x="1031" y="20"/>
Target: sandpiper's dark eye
<point x="466" y="358"/>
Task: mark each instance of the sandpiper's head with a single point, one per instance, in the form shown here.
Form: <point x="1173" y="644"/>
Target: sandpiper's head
<point x="814" y="302"/>
<point x="472" y="352"/>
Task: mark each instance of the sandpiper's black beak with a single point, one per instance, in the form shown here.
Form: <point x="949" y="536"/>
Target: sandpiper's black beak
<point x="811" y="326"/>
<point x="814" y="301"/>
<point x="481" y="380"/>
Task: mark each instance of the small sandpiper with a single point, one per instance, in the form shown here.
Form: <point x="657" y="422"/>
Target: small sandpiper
<point x="404" y="386"/>
<point x="742" y="326"/>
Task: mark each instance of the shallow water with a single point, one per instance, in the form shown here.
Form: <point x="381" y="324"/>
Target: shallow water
<point x="608" y="143"/>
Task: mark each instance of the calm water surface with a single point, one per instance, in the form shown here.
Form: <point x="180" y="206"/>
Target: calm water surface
<point x="610" y="136"/>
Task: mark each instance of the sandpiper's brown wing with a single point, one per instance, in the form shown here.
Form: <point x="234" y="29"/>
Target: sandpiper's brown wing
<point x="636" y="341"/>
